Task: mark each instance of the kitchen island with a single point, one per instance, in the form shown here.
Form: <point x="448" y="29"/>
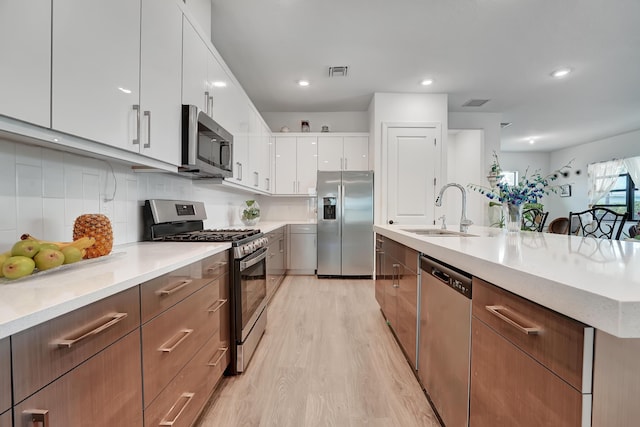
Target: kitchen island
<point x="596" y="282"/>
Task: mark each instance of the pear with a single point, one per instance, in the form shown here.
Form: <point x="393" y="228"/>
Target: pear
<point x="28" y="248"/>
<point x="18" y="266"/>
<point x="3" y="258"/>
<point x="46" y="259"/>
<point x="49" y="245"/>
<point x="71" y="254"/>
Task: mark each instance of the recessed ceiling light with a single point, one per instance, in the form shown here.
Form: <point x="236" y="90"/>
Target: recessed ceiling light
<point x="426" y="82"/>
<point x="532" y="141"/>
<point x="303" y="82"/>
<point x="561" y="72"/>
<point x="220" y="84"/>
<point x="124" y="90"/>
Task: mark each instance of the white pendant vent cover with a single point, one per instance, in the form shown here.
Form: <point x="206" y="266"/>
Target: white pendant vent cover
<point x="475" y="103"/>
<point x="340" y="71"/>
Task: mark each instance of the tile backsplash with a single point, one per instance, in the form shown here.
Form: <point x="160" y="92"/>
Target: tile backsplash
<point x="42" y="191"/>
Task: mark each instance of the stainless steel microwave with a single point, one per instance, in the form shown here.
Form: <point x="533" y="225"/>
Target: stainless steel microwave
<point x="207" y="148"/>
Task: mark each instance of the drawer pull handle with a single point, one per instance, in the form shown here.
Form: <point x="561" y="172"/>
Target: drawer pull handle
<point x="103" y="324"/>
<point x="222" y="351"/>
<point x="173" y="289"/>
<point x="514" y="319"/>
<point x="168" y="348"/>
<point x="215" y="268"/>
<point x="38" y="416"/>
<point x="186" y="399"/>
<point x="217" y="306"/>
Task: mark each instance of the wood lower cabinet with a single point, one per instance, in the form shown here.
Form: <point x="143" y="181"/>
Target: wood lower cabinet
<point x="6" y="420"/>
<point x="104" y="391"/>
<point x="397" y="291"/>
<point x="185" y="347"/>
<point x="5" y="375"/>
<point x="45" y="352"/>
<point x="530" y="366"/>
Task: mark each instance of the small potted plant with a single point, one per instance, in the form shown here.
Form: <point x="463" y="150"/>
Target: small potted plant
<point x="250" y="212"/>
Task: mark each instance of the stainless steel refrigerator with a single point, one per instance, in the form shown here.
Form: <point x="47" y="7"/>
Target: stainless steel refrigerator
<point x="345" y="223"/>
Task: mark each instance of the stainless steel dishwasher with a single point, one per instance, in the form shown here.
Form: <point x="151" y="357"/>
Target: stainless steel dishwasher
<point x="445" y="339"/>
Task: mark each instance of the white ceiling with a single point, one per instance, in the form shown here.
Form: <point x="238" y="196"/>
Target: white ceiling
<point x="502" y="50"/>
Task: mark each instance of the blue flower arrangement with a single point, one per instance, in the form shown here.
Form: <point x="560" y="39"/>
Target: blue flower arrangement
<point x="529" y="188"/>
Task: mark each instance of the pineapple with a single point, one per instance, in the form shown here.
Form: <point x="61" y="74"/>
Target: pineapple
<point x="97" y="226"/>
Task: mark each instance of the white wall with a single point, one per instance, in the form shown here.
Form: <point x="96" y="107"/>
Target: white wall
<point x="43" y="191"/>
<point x="201" y="11"/>
<point x="401" y="108"/>
<point x="463" y="167"/>
<point x="343" y="121"/>
<point x="489" y="123"/>
<point x="619" y="146"/>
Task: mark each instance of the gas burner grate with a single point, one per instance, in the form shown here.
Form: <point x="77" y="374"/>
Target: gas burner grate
<point x="214" y="235"/>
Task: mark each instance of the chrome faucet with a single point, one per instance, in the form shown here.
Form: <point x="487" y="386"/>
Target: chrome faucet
<point x="464" y="221"/>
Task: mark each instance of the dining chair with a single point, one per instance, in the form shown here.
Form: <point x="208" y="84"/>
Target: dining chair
<point x="533" y="219"/>
<point x="559" y="226"/>
<point x="597" y="222"/>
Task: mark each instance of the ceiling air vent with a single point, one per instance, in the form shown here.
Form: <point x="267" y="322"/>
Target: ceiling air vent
<point x="340" y="71"/>
<point x="505" y="124"/>
<point x="475" y="103"/>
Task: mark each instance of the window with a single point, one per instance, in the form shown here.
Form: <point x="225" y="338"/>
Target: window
<point x="623" y="197"/>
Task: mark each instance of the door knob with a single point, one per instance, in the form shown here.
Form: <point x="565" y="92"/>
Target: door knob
<point x="390" y="221"/>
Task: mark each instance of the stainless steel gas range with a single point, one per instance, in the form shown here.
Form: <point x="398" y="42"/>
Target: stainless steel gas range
<point x="182" y="221"/>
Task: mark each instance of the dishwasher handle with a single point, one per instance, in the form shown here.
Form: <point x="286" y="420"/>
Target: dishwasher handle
<point x="456" y="279"/>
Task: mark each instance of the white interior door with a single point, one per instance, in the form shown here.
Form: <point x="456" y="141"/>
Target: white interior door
<point x="413" y="163"/>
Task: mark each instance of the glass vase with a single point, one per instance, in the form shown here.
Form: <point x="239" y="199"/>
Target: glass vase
<point x="512" y="216"/>
<point x="250" y="212"/>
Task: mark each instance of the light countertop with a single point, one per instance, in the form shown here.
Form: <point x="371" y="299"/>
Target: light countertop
<point x="43" y="296"/>
<point x="591" y="280"/>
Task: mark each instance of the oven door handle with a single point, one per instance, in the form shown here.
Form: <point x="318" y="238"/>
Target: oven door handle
<point x="253" y="259"/>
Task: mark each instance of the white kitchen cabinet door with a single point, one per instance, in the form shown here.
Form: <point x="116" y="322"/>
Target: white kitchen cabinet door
<point x="25" y="64"/>
<point x="330" y="157"/>
<point x="240" y="130"/>
<point x="265" y="158"/>
<point x="161" y="80"/>
<point x="285" y="165"/>
<point x="224" y="96"/>
<point x="307" y="164"/>
<point x="96" y="70"/>
<point x="356" y="153"/>
<point x="195" y="85"/>
<point x="258" y="152"/>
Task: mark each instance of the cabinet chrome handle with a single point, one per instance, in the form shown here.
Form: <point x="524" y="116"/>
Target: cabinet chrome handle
<point x="256" y="183"/>
<point x="281" y="243"/>
<point x="148" y="116"/>
<point x="221" y="351"/>
<point x="173" y="289"/>
<point x="395" y="279"/>
<point x="184" y="399"/>
<point x="239" y="171"/>
<point x="136" y="140"/>
<point x="345" y="164"/>
<point x="211" y="105"/>
<point x="218" y="266"/>
<point x="206" y="103"/>
<point x="267" y="184"/>
<point x="37" y="416"/>
<point x="514" y="319"/>
<point x="342" y="164"/>
<point x="217" y="305"/>
<point x="177" y="339"/>
<point x="103" y="324"/>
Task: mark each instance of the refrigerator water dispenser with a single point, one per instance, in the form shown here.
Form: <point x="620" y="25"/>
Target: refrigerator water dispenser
<point x="329" y="210"/>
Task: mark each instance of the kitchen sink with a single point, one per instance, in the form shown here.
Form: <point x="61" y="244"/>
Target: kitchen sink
<point x="438" y="232"/>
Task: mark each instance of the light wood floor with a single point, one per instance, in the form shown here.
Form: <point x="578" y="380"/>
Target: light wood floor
<point x="327" y="359"/>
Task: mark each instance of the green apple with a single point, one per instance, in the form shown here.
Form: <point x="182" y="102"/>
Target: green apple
<point x="28" y="248"/>
<point x="48" y="258"/>
<point x="3" y="258"/>
<point x="49" y="246"/>
<point x="71" y="254"/>
<point x="18" y="266"/>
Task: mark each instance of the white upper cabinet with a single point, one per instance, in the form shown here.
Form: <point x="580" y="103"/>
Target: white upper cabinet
<point x="356" y="153"/>
<point x="195" y="56"/>
<point x="96" y="70"/>
<point x="343" y="152"/>
<point x="296" y="164"/>
<point x="161" y="80"/>
<point x="25" y="60"/>
<point x="259" y="150"/>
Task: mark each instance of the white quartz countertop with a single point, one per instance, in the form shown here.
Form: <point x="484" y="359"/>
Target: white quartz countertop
<point x="43" y="296"/>
<point x="591" y="280"/>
